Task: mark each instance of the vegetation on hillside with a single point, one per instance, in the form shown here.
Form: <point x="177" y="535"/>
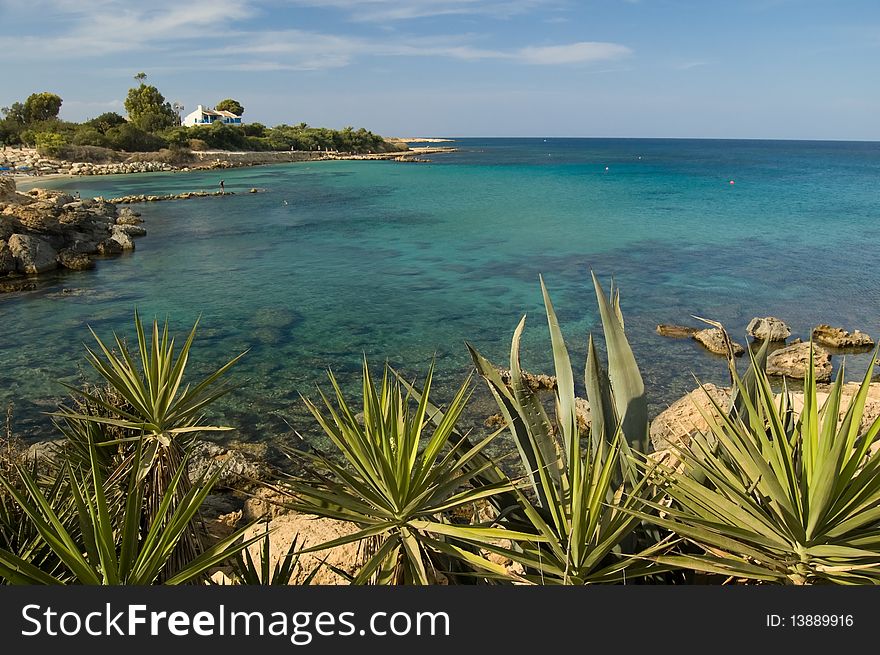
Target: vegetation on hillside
<point x="152" y="124"/>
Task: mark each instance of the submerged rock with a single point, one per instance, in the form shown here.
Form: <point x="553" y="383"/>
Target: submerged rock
<point x="768" y="328"/>
<point x="713" y="340"/>
<point x="836" y="337"/>
<point x="676" y="331"/>
<point x="792" y="362"/>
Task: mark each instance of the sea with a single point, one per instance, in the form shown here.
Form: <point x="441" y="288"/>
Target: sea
<point x="405" y="263"/>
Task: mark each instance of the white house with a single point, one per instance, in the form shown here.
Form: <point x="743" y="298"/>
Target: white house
<point x="206" y="116"/>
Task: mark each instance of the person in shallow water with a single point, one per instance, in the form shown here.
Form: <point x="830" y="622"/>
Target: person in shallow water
<point x="222" y="187"/>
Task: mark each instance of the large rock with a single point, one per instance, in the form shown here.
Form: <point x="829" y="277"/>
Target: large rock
<point x="836" y="337"/>
<point x="676" y="425"/>
<point x="7" y="259"/>
<point x="792" y="362"/>
<point x="713" y="340"/>
<point x="309" y="531"/>
<point x="239" y="469"/>
<point x="768" y="328"/>
<point x="108" y="247"/>
<point x="32" y="254"/>
<point x="122" y="238"/>
<point x="75" y="261"/>
<point x="7" y="189"/>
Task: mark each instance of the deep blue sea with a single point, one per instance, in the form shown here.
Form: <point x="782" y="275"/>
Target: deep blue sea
<point x="404" y="262"/>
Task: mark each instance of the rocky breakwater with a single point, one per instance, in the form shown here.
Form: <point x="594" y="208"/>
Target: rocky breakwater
<point x="43" y="230"/>
<point x="123" y="168"/>
<point x="27" y="161"/>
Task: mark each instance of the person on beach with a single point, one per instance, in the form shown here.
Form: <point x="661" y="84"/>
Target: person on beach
<point x="222" y="187"/>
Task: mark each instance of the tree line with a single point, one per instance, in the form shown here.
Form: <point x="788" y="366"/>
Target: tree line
<point x="152" y="124"/>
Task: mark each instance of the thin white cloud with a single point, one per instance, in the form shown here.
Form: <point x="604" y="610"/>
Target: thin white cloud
<point x="574" y="53"/>
<point x="688" y="65"/>
<point x="399" y="10"/>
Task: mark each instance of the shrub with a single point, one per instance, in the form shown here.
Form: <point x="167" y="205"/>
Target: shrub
<point x="49" y="144"/>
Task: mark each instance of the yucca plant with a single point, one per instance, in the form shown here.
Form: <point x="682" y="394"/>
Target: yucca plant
<point x="582" y="497"/>
<point x="107" y="544"/>
<point x="398" y="484"/>
<point x="248" y="572"/>
<point x="777" y="496"/>
<point x="144" y="406"/>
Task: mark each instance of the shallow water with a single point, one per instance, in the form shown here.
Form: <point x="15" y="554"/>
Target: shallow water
<point x="405" y="262"/>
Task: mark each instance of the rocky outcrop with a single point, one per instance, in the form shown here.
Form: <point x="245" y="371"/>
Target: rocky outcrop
<point x="713" y="340"/>
<point x="676" y="425"/>
<point x="127" y="200"/>
<point x="768" y="328"/>
<point x="676" y="331"/>
<point x="238" y="468"/>
<point x="835" y="337"/>
<point x="32" y="254"/>
<point x="75" y="261"/>
<point x="43" y="230"/>
<point x="792" y="361"/>
<point x="7" y="259"/>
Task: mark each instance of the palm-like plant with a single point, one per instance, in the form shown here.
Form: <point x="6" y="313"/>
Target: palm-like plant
<point x="98" y="543"/>
<point x="261" y="572"/>
<point x="769" y="495"/>
<point x="145" y="407"/>
<point x="583" y="498"/>
<point x="397" y="484"/>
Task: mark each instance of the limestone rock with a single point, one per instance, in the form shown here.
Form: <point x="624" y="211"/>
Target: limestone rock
<point x="768" y="328"/>
<point x="122" y="238"/>
<point x="32" y="254"/>
<point x="75" y="261"/>
<point x="792" y="362"/>
<point x="676" y="425"/>
<point x="713" y="340"/>
<point x="676" y="331"/>
<point x="109" y="247"/>
<point x="836" y="337"/>
<point x="310" y="531"/>
<point x="239" y="467"/>
<point x="7" y="259"/>
<point x="7" y="189"/>
<point x="130" y="230"/>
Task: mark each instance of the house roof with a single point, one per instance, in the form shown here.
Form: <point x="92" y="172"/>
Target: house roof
<point x="219" y="112"/>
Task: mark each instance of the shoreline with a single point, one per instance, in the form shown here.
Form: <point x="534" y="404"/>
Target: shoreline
<point x="43" y="168"/>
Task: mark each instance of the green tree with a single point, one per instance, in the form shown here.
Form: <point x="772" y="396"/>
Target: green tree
<point x="41" y="107"/>
<point x="106" y="121"/>
<point x="14" y="113"/>
<point x="148" y="109"/>
<point x="140" y="77"/>
<point x="230" y="105"/>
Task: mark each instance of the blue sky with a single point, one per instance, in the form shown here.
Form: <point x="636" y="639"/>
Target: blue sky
<point x="639" y="68"/>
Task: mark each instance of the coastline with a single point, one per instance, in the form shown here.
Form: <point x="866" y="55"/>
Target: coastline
<point x="37" y="168"/>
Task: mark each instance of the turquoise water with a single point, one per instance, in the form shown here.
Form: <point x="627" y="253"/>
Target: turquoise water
<point x="405" y="262"/>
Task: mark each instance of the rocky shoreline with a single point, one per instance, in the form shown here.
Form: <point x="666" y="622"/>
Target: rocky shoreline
<point x="28" y="162"/>
<point x="42" y="230"/>
<point x="785" y="359"/>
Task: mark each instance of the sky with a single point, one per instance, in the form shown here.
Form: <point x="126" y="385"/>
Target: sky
<point x="783" y="69"/>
